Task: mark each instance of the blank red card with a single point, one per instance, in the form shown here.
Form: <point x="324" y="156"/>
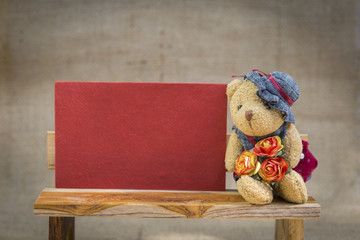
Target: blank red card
<point x="168" y="136"/>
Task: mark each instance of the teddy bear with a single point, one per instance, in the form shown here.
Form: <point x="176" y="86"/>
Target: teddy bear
<point x="265" y="145"/>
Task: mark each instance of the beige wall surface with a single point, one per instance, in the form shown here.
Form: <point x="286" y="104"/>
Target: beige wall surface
<point x="317" y="42"/>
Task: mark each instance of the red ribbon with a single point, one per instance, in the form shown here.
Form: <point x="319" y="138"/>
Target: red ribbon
<point x="261" y="73"/>
<point x="251" y="139"/>
<point x="276" y="86"/>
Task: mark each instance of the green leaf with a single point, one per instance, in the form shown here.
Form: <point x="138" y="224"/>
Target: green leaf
<point x="279" y="153"/>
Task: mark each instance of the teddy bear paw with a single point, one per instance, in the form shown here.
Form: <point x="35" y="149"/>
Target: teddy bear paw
<point x="254" y="191"/>
<point x="292" y="188"/>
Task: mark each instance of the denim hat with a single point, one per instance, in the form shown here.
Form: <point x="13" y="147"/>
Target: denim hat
<point x="278" y="89"/>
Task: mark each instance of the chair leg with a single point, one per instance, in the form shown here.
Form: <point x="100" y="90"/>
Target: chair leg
<point x="61" y="228"/>
<point x="289" y="229"/>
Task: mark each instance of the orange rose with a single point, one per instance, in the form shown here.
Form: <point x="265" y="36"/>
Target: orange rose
<point x="268" y="147"/>
<point x="273" y="169"/>
<point x="247" y="164"/>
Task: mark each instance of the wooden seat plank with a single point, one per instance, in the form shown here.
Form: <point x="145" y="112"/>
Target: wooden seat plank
<point x="165" y="204"/>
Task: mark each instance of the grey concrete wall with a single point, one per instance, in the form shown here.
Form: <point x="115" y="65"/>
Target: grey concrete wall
<point x="317" y="42"/>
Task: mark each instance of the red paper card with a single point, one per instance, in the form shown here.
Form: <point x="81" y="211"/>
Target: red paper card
<point x="167" y="136"/>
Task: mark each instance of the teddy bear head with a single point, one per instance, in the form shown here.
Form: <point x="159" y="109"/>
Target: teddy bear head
<point x="261" y="103"/>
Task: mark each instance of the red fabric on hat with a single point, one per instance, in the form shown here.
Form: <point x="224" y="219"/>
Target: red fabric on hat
<point x="280" y="89"/>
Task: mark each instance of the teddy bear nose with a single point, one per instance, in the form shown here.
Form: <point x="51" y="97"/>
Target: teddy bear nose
<point x="248" y="115"/>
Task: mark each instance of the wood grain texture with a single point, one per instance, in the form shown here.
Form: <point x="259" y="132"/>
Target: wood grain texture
<point x="61" y="228"/>
<point x="50" y="150"/>
<point x="51" y="147"/>
<point x="289" y="229"/>
<point x="165" y="204"/>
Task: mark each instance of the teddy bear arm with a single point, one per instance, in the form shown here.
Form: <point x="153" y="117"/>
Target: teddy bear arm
<point x="293" y="146"/>
<point x="233" y="149"/>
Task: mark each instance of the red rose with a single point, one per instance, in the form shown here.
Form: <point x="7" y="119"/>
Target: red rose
<point x="273" y="169"/>
<point x="268" y="147"/>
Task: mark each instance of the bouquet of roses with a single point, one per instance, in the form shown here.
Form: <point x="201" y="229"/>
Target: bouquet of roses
<point x="263" y="161"/>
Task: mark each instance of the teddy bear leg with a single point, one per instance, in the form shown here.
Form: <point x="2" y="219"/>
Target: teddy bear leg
<point x="254" y="191"/>
<point x="292" y="188"/>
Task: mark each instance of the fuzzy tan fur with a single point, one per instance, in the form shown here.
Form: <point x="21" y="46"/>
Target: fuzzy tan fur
<point x="263" y="122"/>
<point x="292" y="188"/>
<point x="232" y="151"/>
<point x="254" y="191"/>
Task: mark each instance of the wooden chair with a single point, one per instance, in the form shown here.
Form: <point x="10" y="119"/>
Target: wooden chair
<point x="63" y="205"/>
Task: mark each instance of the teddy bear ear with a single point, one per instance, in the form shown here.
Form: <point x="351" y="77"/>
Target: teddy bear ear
<point x="232" y="87"/>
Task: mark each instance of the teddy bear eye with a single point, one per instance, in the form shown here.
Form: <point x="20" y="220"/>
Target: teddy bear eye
<point x="240" y="106"/>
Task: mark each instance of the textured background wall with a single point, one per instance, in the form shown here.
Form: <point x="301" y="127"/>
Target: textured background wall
<point x="317" y="42"/>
